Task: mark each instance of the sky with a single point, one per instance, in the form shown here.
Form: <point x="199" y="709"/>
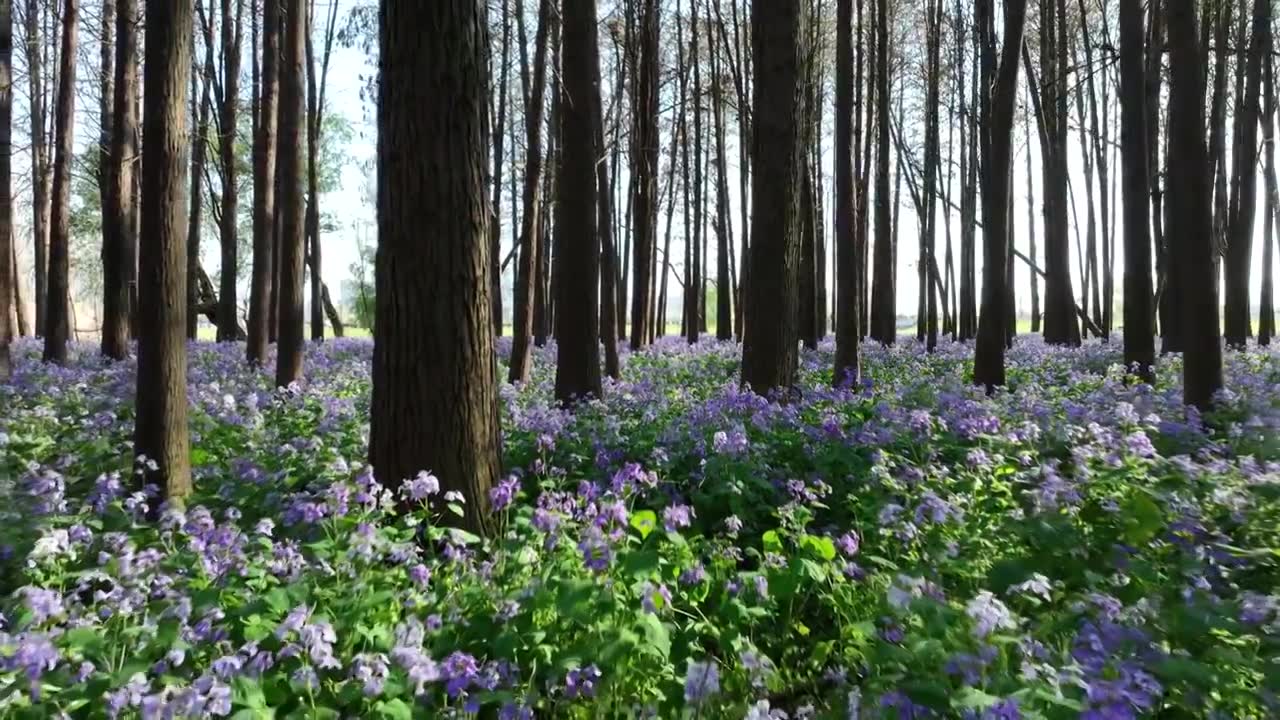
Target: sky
<point x="354" y="216"/>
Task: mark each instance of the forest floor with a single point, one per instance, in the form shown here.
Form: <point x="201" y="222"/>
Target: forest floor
<point x="1075" y="545"/>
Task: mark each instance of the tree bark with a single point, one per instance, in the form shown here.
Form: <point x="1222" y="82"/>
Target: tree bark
<point x="988" y="360"/>
<point x="499" y="137"/>
<point x="161" y="429"/>
<point x="605" y="172"/>
<point x="1191" y="233"/>
<point x="201" y="142"/>
<point x="291" y="206"/>
<point x="724" y="249"/>
<point x="262" y="281"/>
<point x="531" y="221"/>
<point x="883" y="284"/>
<point x="578" y="260"/>
<point x="769" y="348"/>
<point x="41" y="169"/>
<point x="644" y="168"/>
<point x="115" y="318"/>
<point x="8" y="268"/>
<point x="229" y="217"/>
<point x="57" y="316"/>
<point x="847" y="370"/>
<point x="435" y="400"/>
<point x="1236" y="315"/>
<point x="1139" y="318"/>
<point x="1266" y="305"/>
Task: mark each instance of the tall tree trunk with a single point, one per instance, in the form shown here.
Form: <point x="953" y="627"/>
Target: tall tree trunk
<point x="200" y="114"/>
<point x="931" y="162"/>
<point x="531" y="221"/>
<point x="499" y="136"/>
<point x="1191" y="234"/>
<point x="229" y="217"/>
<point x="883" y="284"/>
<point x="1103" y="287"/>
<point x="769" y="353"/>
<point x="1060" y="324"/>
<point x="969" y="185"/>
<point x="1236" y="315"/>
<point x="606" y="171"/>
<point x="1031" y="235"/>
<point x="160" y="434"/>
<point x="1266" y="305"/>
<point x="807" y="292"/>
<point x="262" y="282"/>
<point x="644" y="166"/>
<point x="57" y="315"/>
<point x="435" y="400"/>
<point x="724" y="249"/>
<point x="41" y="177"/>
<point x="578" y="259"/>
<point x="115" y="295"/>
<point x="19" y="306"/>
<point x="8" y="268"/>
<point x="1139" y="318"/>
<point x="988" y="360"/>
<point x="542" y="298"/>
<point x="291" y="206"/>
<point x="315" y="125"/>
<point x="847" y="370"/>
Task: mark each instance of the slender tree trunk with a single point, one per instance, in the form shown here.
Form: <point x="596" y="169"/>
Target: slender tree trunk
<point x="1139" y="318"/>
<point x="1266" y="305"/>
<point x="578" y="268"/>
<point x="644" y="161"/>
<point x="8" y="267"/>
<point x="499" y="136"/>
<point x="531" y="221"/>
<point x="847" y="370"/>
<point x="200" y="112"/>
<point x="41" y="177"/>
<point x="315" y="126"/>
<point x="605" y="172"/>
<point x="262" y="282"/>
<point x="883" y="285"/>
<point x="724" y="286"/>
<point x="435" y="400"/>
<point x="807" y="304"/>
<point x="229" y="203"/>
<point x="19" y="306"/>
<point x="1236" y="315"/>
<point x="988" y="361"/>
<point x="1191" y="239"/>
<point x="769" y="352"/>
<point x="931" y="161"/>
<point x="115" y="329"/>
<point x="57" y="315"/>
<point x="542" y="298"/>
<point x="697" y="289"/>
<point x="161" y="426"/>
<point x="1060" y="324"/>
<point x="1031" y="234"/>
<point x="292" y="111"/>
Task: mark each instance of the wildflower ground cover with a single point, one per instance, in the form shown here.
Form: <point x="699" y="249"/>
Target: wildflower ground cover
<point x="1075" y="546"/>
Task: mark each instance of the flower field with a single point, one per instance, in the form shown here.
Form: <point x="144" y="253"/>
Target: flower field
<point x="1073" y="547"/>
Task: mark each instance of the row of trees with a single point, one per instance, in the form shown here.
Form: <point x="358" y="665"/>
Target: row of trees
<point x="437" y="302"/>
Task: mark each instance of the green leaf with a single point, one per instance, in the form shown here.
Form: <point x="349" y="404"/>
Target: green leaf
<point x="820" y="545"/>
<point x="771" y="541"/>
<point x="644" y="522"/>
<point x="656" y="634"/>
<point x="278" y="601"/>
<point x="395" y="709"/>
<point x="1143" y="519"/>
<point x="972" y="699"/>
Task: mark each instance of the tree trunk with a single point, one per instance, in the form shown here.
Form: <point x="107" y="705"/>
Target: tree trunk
<point x="847" y="370"/>
<point x="292" y="209"/>
<point x="988" y="360"/>
<point x="931" y="161"/>
<point x="577" y="262"/>
<point x="769" y="352"/>
<point x="262" y="281"/>
<point x="1191" y="233"/>
<point x="41" y="177"/>
<point x="499" y="137"/>
<point x="8" y="268"/>
<point x="161" y="427"/>
<point x="883" y="285"/>
<point x="1139" y="318"/>
<point x="724" y="249"/>
<point x="1060" y="325"/>
<point x="315" y="125"/>
<point x="807" y="298"/>
<point x="57" y="316"/>
<point x="115" y="295"/>
<point x="1266" y="306"/>
<point x="435" y="400"/>
<point x="644" y="168"/>
<point x="531" y="221"/>
<point x="1236" y="315"/>
<point x="229" y="216"/>
<point x="201" y="143"/>
<point x="1031" y="234"/>
<point x="605" y="172"/>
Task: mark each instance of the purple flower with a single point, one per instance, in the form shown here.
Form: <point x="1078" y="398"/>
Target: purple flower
<point x="370" y="670"/>
<point x="459" y="671"/>
<point x="502" y="495"/>
<point x="581" y="682"/>
<point x="849" y="543"/>
<point x="677" y="516"/>
<point x="422" y="486"/>
<point x="701" y="681"/>
<point x="988" y="614"/>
